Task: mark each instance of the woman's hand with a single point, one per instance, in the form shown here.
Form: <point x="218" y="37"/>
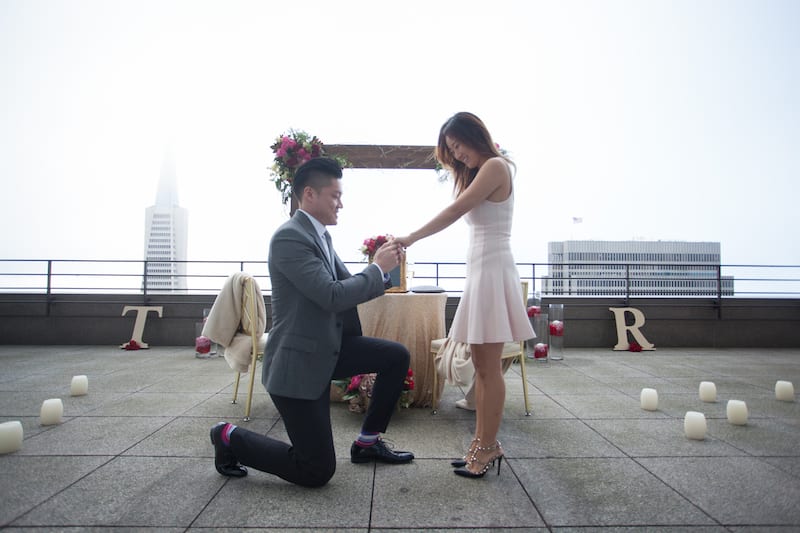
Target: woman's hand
<point x="404" y="241"/>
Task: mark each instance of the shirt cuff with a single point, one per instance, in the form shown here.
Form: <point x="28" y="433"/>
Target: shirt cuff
<point x="379" y="270"/>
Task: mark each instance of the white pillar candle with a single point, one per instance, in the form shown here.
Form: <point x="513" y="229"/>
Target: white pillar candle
<point x="784" y="391"/>
<point x="694" y="425"/>
<point x="708" y="391"/>
<point x="52" y="411"/>
<point x="79" y="386"/>
<point x="649" y="399"/>
<point x="10" y="436"/>
<point x="737" y="412"/>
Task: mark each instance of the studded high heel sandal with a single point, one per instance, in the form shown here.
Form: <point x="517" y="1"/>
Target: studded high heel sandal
<point x="463" y="461"/>
<point x="483" y="466"/>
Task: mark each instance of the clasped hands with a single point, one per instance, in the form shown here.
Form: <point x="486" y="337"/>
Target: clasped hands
<point x="389" y="255"/>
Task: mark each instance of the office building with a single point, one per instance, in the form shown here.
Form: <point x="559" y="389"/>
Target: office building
<point x="636" y="268"/>
<point x="166" y="231"/>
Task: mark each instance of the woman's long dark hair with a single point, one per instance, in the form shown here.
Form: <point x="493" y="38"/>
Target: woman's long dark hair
<point x="469" y="130"/>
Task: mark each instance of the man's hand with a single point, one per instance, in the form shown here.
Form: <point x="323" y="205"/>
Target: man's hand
<point x="388" y="256"/>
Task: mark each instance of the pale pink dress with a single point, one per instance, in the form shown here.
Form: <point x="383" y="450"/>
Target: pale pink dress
<point x="491" y="308"/>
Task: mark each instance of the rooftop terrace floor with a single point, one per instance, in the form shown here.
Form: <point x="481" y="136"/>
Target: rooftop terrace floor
<point x="134" y="454"/>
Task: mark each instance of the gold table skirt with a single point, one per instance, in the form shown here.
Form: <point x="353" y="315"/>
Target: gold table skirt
<point x="414" y="320"/>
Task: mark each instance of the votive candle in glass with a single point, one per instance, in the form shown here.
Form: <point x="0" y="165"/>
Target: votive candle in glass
<point x="52" y="411"/>
<point x="649" y="399"/>
<point x="79" y="386"/>
<point x="694" y="425"/>
<point x="784" y="391"/>
<point x="708" y="391"/>
<point x="10" y="436"/>
<point x="737" y="412"/>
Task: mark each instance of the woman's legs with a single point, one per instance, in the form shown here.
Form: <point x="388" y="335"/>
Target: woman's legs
<point x="490" y="395"/>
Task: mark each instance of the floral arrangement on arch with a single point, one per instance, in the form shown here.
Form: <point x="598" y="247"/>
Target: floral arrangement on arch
<point x="371" y="244"/>
<point x="291" y="150"/>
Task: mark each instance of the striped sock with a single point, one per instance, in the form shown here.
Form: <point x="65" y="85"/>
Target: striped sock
<point x="367" y="439"/>
<point x="226" y="434"/>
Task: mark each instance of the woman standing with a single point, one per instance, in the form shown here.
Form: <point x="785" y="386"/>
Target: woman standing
<point x="491" y="311"/>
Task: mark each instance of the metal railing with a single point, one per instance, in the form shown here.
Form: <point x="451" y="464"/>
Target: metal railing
<point x="627" y="280"/>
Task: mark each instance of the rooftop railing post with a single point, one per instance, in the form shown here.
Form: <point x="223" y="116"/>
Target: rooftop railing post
<point x="719" y="292"/>
<point x="627" y="284"/>
<point x="144" y="282"/>
<point x="49" y="277"/>
<point x="48" y="296"/>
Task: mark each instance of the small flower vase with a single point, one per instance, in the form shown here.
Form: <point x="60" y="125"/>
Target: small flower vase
<point x="538" y="348"/>
<point x="555" y="314"/>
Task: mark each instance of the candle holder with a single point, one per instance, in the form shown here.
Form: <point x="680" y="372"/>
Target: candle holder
<point x="538" y="348"/>
<point x="555" y="313"/>
<point x="10" y="436"/>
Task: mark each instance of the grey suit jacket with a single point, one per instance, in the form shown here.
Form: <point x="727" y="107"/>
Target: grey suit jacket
<point x="310" y="310"/>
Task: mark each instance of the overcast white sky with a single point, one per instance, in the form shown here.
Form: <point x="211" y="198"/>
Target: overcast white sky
<point x="670" y="120"/>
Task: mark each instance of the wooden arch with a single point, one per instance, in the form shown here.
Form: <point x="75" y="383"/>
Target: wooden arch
<point x="385" y="155"/>
<point x="381" y="156"/>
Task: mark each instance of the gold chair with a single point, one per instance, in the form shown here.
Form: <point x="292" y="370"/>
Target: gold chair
<point x="249" y="310"/>
<point x="511" y="350"/>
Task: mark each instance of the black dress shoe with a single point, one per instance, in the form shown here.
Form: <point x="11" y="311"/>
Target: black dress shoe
<point x="224" y="460"/>
<point x="378" y="452"/>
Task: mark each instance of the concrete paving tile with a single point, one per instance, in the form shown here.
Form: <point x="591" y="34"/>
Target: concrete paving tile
<point x="569" y="385"/>
<point x="675" y="405"/>
<point x="658" y="438"/>
<point x="131" y="492"/>
<point x="760" y="437"/>
<point x="603" y="492"/>
<point x="790" y="465"/>
<point x="25" y="403"/>
<point x="640" y="529"/>
<point x="733" y="490"/>
<point x="427" y="494"/>
<point x="727" y="387"/>
<point x="607" y="405"/>
<point x="128" y="380"/>
<point x="194" y="382"/>
<point x="613" y="428"/>
<point x="553" y="438"/>
<point x="766" y="406"/>
<point x="603" y="370"/>
<point x="180" y="437"/>
<point x="220" y="406"/>
<point x="152" y="404"/>
<point x="452" y="437"/>
<point x="542" y="407"/>
<point x="266" y="501"/>
<point x="92" y="436"/>
<point x="763" y="529"/>
<point x="632" y="386"/>
<point x="30" y="425"/>
<point x="669" y="368"/>
<point x="545" y="369"/>
<point x="459" y="529"/>
<point x="21" y="480"/>
<point x="100" y="529"/>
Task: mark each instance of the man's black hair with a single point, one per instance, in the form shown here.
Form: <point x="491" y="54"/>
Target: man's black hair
<point x="315" y="173"/>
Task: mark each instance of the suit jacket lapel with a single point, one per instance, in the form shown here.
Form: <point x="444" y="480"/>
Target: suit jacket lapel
<point x="322" y="246"/>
